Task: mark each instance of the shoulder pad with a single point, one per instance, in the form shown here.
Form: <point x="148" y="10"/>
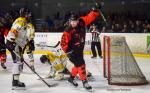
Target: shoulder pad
<point x="21" y="21"/>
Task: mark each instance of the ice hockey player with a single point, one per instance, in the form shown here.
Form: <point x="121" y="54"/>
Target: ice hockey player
<point x="3" y="34"/>
<point x="16" y="40"/>
<point x="73" y="39"/>
<point x="29" y="48"/>
<point x="59" y="63"/>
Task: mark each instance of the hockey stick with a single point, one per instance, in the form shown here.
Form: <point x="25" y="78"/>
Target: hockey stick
<point x="103" y="17"/>
<point x="31" y="68"/>
<point x="35" y="72"/>
<point x="49" y="46"/>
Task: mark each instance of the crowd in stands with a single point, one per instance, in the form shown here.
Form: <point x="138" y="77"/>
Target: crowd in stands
<point x="116" y="23"/>
<point x="127" y="22"/>
<point x="7" y="18"/>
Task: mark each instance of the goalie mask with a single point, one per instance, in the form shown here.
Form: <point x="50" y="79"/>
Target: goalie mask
<point x="44" y="59"/>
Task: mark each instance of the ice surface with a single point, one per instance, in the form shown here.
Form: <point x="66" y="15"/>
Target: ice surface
<point x="100" y="85"/>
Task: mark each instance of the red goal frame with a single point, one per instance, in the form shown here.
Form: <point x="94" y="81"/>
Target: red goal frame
<point x="107" y="64"/>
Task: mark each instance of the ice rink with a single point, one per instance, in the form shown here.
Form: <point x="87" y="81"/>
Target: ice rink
<point x="100" y="85"/>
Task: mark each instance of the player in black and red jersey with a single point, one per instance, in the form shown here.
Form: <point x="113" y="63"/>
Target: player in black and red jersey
<point x="73" y="39"/>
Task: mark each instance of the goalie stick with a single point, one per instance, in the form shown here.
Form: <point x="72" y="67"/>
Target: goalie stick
<point x="49" y="46"/>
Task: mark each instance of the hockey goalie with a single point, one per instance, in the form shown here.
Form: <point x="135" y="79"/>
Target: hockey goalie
<point x="59" y="65"/>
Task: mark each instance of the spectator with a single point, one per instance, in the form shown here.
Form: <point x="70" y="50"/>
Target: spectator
<point x="125" y="28"/>
<point x="138" y="27"/>
<point x="131" y="27"/>
<point x="49" y="22"/>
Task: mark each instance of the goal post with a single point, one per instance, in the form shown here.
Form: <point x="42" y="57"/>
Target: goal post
<point x="119" y="64"/>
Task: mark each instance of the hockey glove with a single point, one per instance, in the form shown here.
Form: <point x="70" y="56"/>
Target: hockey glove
<point x="31" y="45"/>
<point x="13" y="45"/>
<point x="2" y="51"/>
<point x="10" y="45"/>
<point x="2" y="48"/>
<point x="96" y="7"/>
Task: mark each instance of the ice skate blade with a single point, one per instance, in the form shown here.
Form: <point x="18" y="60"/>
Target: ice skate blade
<point x="71" y="84"/>
<point x="91" y="79"/>
<point x="53" y="85"/>
<point x="18" y="88"/>
<point x="89" y="90"/>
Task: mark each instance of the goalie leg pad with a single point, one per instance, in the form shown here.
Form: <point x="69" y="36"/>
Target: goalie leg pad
<point x="69" y="65"/>
<point x="59" y="76"/>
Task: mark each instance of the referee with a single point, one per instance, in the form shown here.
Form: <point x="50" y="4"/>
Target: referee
<point x="95" y="41"/>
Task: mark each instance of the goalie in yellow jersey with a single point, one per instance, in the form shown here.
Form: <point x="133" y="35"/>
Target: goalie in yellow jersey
<point x="58" y="62"/>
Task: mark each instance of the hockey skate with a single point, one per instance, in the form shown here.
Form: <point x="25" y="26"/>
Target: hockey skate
<point x="86" y="85"/>
<point x="17" y="85"/>
<point x="94" y="57"/>
<point x="100" y="57"/>
<point x="73" y="82"/>
<point x="90" y="77"/>
<point x="3" y="66"/>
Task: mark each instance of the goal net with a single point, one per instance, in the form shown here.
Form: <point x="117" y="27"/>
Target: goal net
<point x="120" y="66"/>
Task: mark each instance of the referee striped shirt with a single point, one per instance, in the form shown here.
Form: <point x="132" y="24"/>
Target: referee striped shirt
<point x="95" y="35"/>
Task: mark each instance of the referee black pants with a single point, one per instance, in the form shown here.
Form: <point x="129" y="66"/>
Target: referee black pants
<point x="95" y="45"/>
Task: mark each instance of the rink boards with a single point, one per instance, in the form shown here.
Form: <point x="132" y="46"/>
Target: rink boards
<point x="138" y="42"/>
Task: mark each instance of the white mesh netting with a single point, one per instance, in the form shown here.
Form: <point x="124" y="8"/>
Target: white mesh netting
<point x="124" y="69"/>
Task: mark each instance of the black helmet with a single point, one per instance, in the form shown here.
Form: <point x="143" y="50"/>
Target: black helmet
<point x="23" y="11"/>
<point x="43" y="58"/>
<point x="73" y="16"/>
